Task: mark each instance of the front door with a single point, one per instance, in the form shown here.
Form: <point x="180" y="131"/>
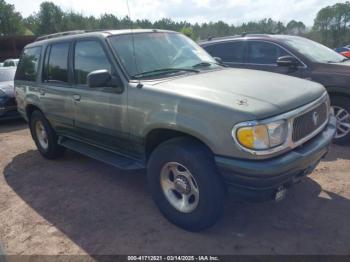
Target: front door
<point x="100" y="113"/>
<point x="262" y="55"/>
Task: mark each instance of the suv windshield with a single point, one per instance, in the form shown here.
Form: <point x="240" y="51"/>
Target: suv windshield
<point x="7" y="75"/>
<point x="314" y="51"/>
<point x="158" y="53"/>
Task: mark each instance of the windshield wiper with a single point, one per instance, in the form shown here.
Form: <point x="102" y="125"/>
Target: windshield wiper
<point x="202" y="64"/>
<point x="341" y="61"/>
<point x="205" y="64"/>
<point x="164" y="71"/>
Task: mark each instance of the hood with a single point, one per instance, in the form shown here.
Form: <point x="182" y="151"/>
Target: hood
<point x="258" y="93"/>
<point x="8" y="88"/>
<point x="334" y="68"/>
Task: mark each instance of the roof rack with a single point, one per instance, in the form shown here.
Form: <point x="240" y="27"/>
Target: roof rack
<point x="221" y="37"/>
<point x="73" y="32"/>
<point x="244" y="34"/>
<point x="257" y="35"/>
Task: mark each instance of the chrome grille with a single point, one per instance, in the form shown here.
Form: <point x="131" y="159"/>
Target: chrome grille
<point x="310" y="121"/>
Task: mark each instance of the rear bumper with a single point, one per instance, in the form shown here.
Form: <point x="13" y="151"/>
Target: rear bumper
<point x="8" y="113"/>
<point x="262" y="178"/>
<point x="8" y="108"/>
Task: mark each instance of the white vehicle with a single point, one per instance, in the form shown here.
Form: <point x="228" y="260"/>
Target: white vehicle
<point x="10" y="62"/>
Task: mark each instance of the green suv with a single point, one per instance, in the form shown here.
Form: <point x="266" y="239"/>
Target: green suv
<point x="155" y="100"/>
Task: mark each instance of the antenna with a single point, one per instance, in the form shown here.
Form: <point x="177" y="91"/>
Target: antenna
<point x="132" y="38"/>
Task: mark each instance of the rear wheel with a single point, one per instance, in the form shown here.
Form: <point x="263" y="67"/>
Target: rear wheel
<point x="44" y="136"/>
<point x="341" y="107"/>
<point x="185" y="184"/>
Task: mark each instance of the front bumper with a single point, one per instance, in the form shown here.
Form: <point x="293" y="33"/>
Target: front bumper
<point x="263" y="178"/>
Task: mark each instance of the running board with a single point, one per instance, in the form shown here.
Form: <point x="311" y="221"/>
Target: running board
<point x="102" y="155"/>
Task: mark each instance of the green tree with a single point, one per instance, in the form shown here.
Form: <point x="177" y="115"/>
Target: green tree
<point x="333" y="24"/>
<point x="10" y="20"/>
<point x="31" y="23"/>
<point x="187" y="31"/>
<point x="295" y="28"/>
<point x="49" y="19"/>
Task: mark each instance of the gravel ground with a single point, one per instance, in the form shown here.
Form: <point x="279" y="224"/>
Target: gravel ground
<point x="76" y="205"/>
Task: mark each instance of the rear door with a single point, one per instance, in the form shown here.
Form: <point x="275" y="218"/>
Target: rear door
<point x="55" y="89"/>
<point x="231" y="53"/>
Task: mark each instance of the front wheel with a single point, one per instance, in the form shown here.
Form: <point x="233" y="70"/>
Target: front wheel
<point x="185" y="184"/>
<point x="341" y="107"/>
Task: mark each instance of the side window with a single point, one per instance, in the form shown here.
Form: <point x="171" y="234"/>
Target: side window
<point x="56" y="63"/>
<point x="263" y="53"/>
<point x="229" y="52"/>
<point x="89" y="56"/>
<point x="28" y="66"/>
<point x="210" y="49"/>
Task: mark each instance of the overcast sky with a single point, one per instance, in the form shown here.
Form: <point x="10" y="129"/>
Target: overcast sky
<point x="230" y="11"/>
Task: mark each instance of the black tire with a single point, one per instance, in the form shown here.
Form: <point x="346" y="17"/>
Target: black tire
<point x="199" y="160"/>
<point x="53" y="150"/>
<point x="344" y="103"/>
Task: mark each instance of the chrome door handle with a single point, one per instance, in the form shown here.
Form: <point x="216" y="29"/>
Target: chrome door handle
<point x="76" y="97"/>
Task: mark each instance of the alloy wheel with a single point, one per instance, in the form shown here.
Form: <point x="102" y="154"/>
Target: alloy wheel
<point x="343" y="121"/>
<point x="41" y="135"/>
<point x="179" y="187"/>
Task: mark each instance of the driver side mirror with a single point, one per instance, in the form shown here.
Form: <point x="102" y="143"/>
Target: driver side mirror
<point x="288" y="61"/>
<point x="102" y="78"/>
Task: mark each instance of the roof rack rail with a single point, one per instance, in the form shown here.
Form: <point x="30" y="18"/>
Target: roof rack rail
<point x="244" y="34"/>
<point x="73" y="32"/>
<point x="255" y="34"/>
<point x="222" y="37"/>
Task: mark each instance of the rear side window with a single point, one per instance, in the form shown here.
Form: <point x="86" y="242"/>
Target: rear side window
<point x="89" y="56"/>
<point x="263" y="53"/>
<point x="56" y="63"/>
<point x="231" y="52"/>
<point x="28" y="66"/>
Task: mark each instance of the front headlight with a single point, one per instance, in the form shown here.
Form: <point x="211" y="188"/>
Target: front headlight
<point x="329" y="107"/>
<point x="262" y="136"/>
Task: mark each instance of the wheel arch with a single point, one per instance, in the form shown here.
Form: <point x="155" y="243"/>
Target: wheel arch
<point x="338" y="91"/>
<point x="157" y="136"/>
<point x="30" y="108"/>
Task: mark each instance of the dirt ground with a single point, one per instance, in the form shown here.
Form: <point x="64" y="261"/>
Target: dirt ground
<point x="76" y="205"/>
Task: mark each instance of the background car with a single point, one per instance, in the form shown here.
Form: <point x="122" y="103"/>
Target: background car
<point x="345" y="51"/>
<point x="346" y="54"/>
<point x="8" y="107"/>
<point x="10" y="62"/>
<point x="295" y="56"/>
<point x="342" y="49"/>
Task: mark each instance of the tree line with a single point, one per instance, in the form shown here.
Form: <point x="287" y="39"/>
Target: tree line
<point x="331" y="25"/>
